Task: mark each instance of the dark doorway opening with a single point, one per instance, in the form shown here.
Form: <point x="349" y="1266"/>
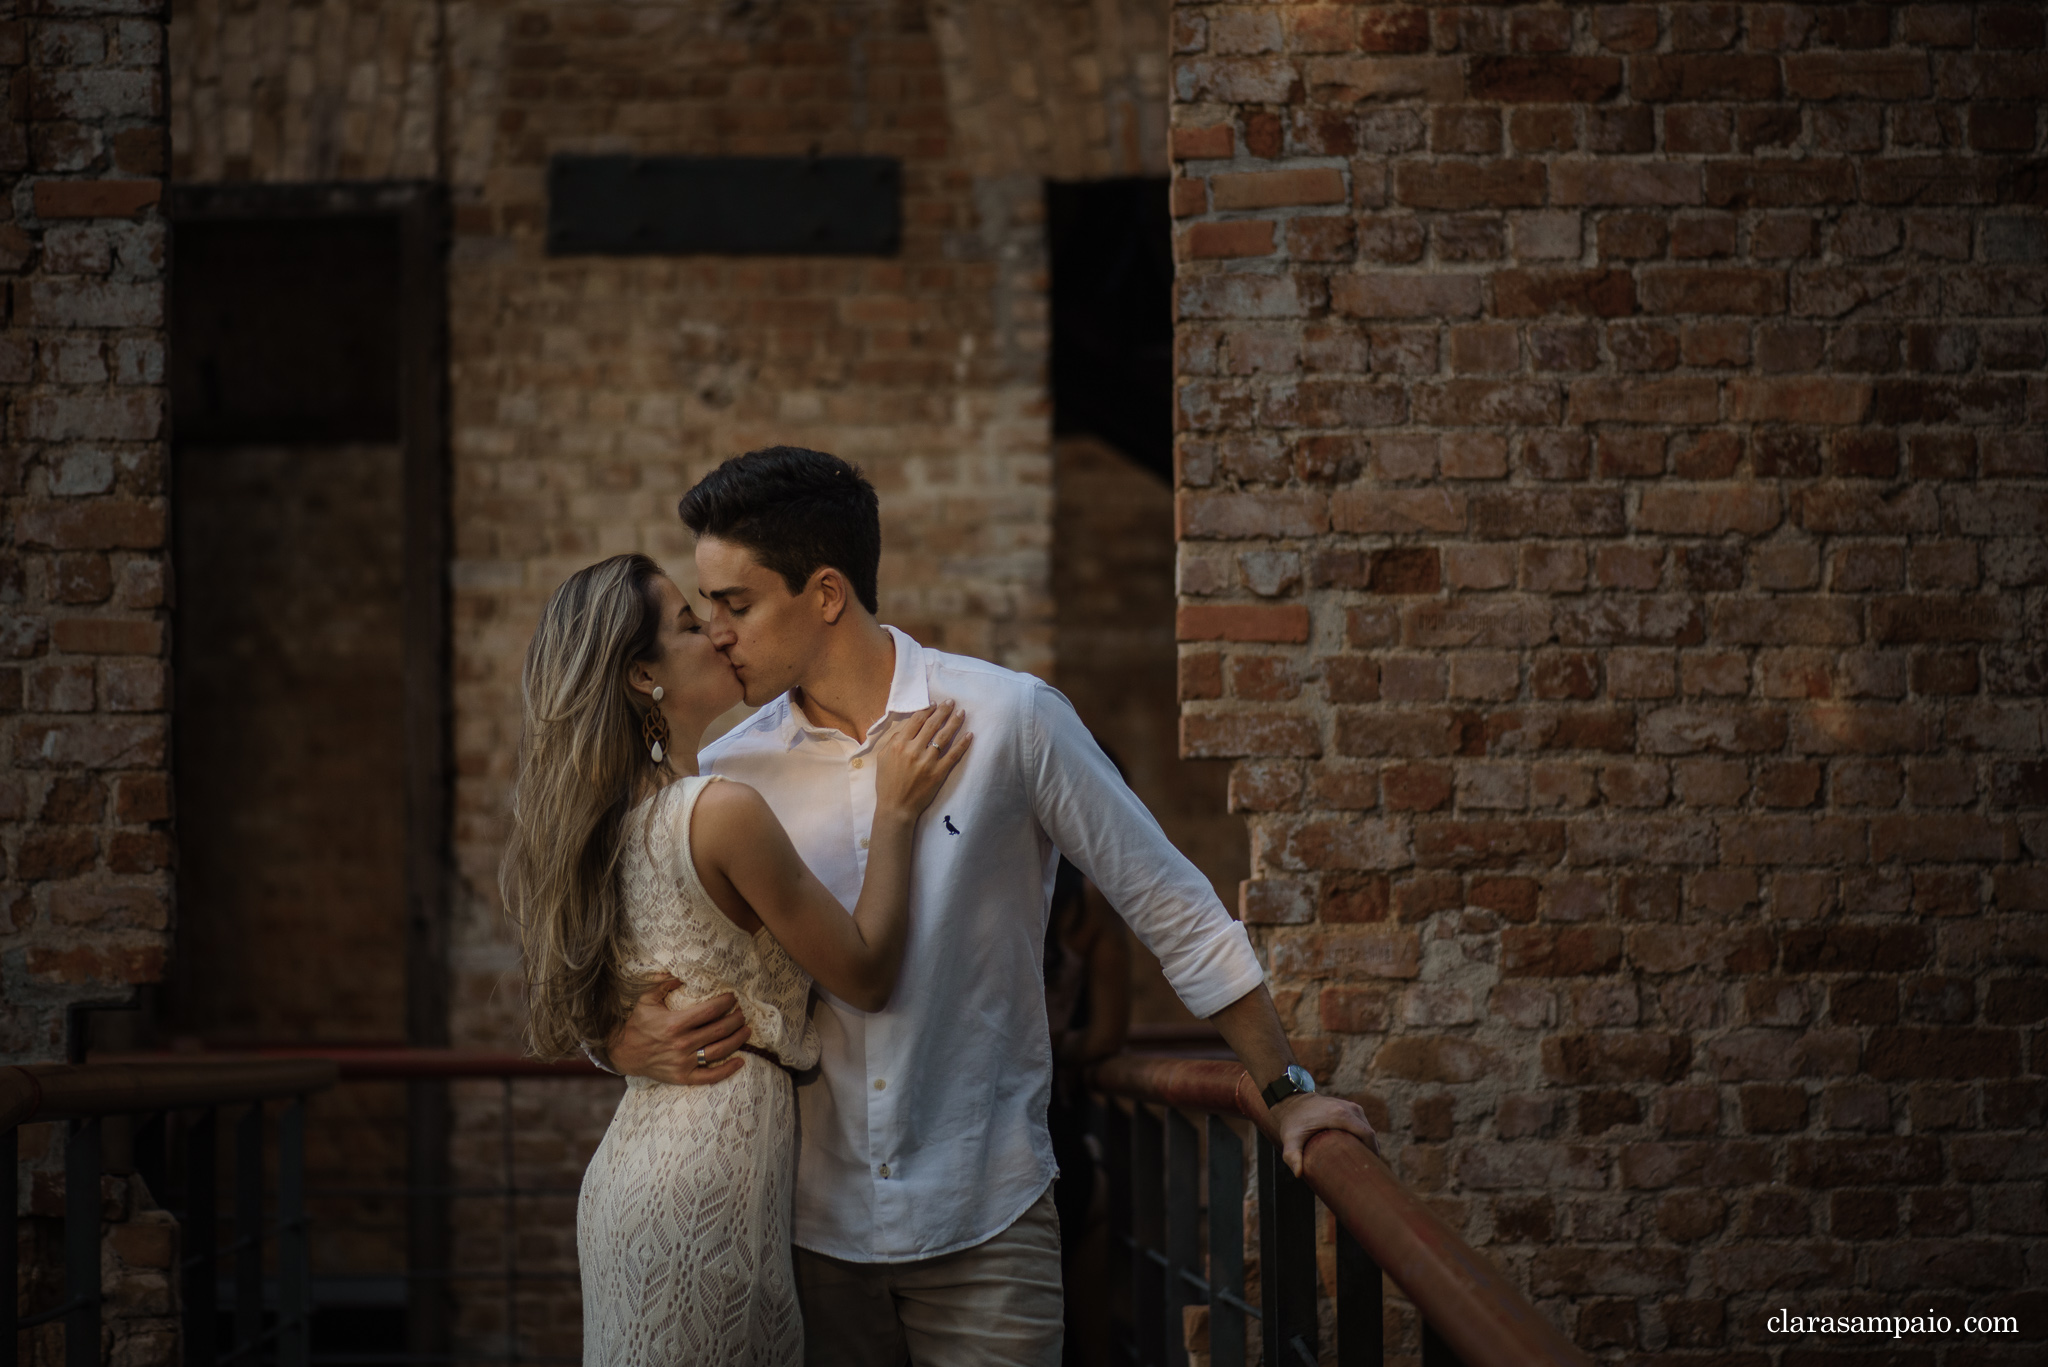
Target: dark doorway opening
<point x="309" y="508"/>
<point x="290" y="652"/>
<point x="288" y="330"/>
<point x="1111" y="243"/>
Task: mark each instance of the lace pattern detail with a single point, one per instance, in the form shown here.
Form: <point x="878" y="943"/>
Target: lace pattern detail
<point x="683" y="1224"/>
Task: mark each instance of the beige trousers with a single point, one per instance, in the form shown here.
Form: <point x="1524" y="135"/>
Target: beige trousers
<point x="996" y="1304"/>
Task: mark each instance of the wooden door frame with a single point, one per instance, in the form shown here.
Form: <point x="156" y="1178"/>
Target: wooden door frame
<point x="419" y="211"/>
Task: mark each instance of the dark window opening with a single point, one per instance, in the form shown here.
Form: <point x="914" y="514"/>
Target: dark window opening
<point x="1111" y="244"/>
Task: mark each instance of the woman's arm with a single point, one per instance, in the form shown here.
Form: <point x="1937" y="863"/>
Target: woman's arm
<point x="754" y="874"/>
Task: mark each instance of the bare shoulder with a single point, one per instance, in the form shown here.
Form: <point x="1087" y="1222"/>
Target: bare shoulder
<point x="731" y="821"/>
<point x="729" y="807"/>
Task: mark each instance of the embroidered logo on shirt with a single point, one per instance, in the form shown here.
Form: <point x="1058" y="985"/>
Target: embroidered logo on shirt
<point x="951" y="829"/>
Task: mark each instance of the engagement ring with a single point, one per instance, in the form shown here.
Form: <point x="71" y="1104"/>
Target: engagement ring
<point x="702" y="1062"/>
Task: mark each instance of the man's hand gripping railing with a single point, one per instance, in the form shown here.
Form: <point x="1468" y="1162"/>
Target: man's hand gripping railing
<point x="1472" y="1314"/>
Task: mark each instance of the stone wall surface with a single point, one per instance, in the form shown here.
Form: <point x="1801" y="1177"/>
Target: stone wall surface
<point x="84" y="796"/>
<point x="1064" y="89"/>
<point x="1611" y="490"/>
<point x="277" y="91"/>
<point x="140" y="1244"/>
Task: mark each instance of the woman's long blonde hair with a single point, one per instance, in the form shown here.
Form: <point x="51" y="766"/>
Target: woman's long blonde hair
<point x="581" y="768"/>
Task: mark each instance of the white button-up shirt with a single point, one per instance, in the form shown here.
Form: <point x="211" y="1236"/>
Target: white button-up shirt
<point x="923" y="1129"/>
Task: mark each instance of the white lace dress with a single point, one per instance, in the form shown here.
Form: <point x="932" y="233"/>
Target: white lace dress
<point x="683" y="1224"/>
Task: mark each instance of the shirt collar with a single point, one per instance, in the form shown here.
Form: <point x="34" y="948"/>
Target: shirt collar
<point x="909" y="691"/>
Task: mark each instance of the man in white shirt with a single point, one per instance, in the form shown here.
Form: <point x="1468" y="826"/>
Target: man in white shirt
<point x="924" y="1225"/>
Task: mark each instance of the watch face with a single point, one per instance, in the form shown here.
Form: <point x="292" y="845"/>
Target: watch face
<point x="1299" y="1076"/>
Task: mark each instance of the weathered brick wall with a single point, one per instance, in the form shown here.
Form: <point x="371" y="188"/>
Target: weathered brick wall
<point x="1064" y="89"/>
<point x="84" y="801"/>
<point x="281" y="91"/>
<point x="139" y="1258"/>
<point x="1612" y="497"/>
<point x="297" y="92"/>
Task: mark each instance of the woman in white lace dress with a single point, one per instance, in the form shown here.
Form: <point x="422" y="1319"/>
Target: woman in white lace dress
<point x="625" y="868"/>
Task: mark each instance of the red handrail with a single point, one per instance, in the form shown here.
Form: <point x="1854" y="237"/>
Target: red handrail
<point x="1479" y="1313"/>
<point x="57" y="1091"/>
<point x="384" y="1063"/>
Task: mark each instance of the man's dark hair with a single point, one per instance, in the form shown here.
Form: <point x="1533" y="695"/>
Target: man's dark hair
<point x="797" y="510"/>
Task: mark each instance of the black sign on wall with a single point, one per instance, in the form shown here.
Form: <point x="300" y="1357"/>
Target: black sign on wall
<point x="740" y="206"/>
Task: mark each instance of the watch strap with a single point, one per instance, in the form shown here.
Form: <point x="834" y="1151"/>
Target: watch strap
<point x="1280" y="1089"/>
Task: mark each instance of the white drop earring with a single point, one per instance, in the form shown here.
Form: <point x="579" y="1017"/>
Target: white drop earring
<point x="654" y="729"/>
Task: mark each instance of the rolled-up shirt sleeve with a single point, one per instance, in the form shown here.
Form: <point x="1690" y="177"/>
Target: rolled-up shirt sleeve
<point x="1098" y="822"/>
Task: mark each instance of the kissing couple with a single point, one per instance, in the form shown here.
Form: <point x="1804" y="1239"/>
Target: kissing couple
<point x="815" y="949"/>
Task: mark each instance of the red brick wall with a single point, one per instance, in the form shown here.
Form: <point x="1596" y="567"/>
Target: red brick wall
<point x="1612" y="494"/>
<point x="84" y="801"/>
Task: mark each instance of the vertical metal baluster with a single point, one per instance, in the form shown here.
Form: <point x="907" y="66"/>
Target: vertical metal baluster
<point x="201" y="1243"/>
<point x="1226" y="1244"/>
<point x="152" y="1154"/>
<point x="81" y="1244"/>
<point x="1287" y="1261"/>
<point x="1183" y="1230"/>
<point x="511" y="1225"/>
<point x="10" y="1248"/>
<point x="1148" y="1228"/>
<point x="429" y="1232"/>
<point x="1115" y="1133"/>
<point x="294" y="1274"/>
<point x="1361" y="1305"/>
<point x="1435" y="1352"/>
<point x="249" y="1233"/>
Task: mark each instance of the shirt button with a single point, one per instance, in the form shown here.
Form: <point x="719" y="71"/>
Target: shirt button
<point x="863" y="842"/>
<point x="880" y="1084"/>
<point x="884" y="1169"/>
<point x="856" y="764"/>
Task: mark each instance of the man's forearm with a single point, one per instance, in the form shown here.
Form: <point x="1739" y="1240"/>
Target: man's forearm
<point x="1251" y="1027"/>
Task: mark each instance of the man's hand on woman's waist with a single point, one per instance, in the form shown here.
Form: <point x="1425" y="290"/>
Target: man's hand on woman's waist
<point x="687" y="1048"/>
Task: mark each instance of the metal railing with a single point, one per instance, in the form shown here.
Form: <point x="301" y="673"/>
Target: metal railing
<point x="432" y="1281"/>
<point x="189" y="1096"/>
<point x="1472" y="1316"/>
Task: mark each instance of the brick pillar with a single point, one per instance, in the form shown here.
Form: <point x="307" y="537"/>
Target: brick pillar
<point x="1611" y="491"/>
<point x="84" y="791"/>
